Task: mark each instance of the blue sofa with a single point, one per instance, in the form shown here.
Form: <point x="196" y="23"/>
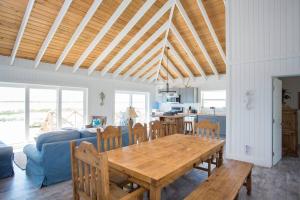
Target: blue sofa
<point x="48" y="161"/>
<point x="6" y="157"/>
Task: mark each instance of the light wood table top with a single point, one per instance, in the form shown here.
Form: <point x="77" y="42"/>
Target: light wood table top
<point x="157" y="163"/>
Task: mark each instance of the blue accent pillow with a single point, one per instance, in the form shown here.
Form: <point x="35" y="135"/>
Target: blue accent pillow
<point x="56" y="136"/>
<point x="96" y="123"/>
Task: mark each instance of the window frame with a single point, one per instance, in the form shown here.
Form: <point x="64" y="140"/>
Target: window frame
<point x="131" y="93"/>
<point x="28" y="86"/>
<point x="210" y="99"/>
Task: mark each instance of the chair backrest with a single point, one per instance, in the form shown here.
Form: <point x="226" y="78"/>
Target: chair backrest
<point x="89" y="172"/>
<point x="137" y="133"/>
<point x="110" y="138"/>
<point x="156" y="130"/>
<point x="207" y="129"/>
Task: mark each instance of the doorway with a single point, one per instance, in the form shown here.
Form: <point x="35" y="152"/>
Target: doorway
<point x="286" y="117"/>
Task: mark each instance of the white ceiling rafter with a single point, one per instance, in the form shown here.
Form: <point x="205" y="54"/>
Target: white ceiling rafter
<point x="134" y="20"/>
<point x="173" y="68"/>
<point x="143" y="60"/>
<point x="179" y="59"/>
<point x="145" y="76"/>
<point x="166" y="37"/>
<point x="136" y="38"/>
<point x="187" y="50"/>
<point x="90" y="13"/>
<point x="211" y="29"/>
<point x="196" y="37"/>
<point x="21" y="30"/>
<point x="122" y="7"/>
<point x="52" y="31"/>
<point x="164" y="71"/>
<point x="146" y="67"/>
<point x="144" y="46"/>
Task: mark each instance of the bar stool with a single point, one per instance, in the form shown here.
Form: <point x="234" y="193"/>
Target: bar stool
<point x="188" y="127"/>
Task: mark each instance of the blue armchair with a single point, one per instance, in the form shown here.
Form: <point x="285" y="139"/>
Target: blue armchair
<point x="6" y="157"/>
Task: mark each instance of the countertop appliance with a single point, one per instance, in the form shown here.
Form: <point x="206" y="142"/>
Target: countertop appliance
<point x="174" y="111"/>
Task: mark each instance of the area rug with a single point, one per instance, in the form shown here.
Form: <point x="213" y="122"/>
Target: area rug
<point x="20" y="160"/>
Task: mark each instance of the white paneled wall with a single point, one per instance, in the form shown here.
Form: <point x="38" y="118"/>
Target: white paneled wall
<point x="263" y="41"/>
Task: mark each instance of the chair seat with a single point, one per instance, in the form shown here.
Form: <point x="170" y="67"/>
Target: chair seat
<point x="118" y="178"/>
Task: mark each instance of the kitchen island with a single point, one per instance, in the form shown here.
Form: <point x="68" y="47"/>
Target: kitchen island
<point x="178" y="119"/>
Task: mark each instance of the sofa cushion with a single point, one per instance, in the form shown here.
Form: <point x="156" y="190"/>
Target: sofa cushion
<point x="56" y="136"/>
<point x="89" y="132"/>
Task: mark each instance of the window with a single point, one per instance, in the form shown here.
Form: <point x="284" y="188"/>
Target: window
<point x="43" y="111"/>
<point x="215" y="98"/>
<point x="138" y="100"/>
<point x="12" y="115"/>
<point x="27" y="111"/>
<point x="72" y="106"/>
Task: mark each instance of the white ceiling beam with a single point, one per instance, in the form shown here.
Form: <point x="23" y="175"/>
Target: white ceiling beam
<point x="146" y="67"/>
<point x="145" y="76"/>
<point x="140" y="50"/>
<point x="179" y="59"/>
<point x="122" y="7"/>
<point x="166" y="37"/>
<point x="52" y="31"/>
<point x="21" y="30"/>
<point x="137" y="37"/>
<point x="169" y="77"/>
<point x="211" y="29"/>
<point x="143" y="60"/>
<point x="120" y="36"/>
<point x="187" y="50"/>
<point x="93" y="8"/>
<point x="196" y="37"/>
<point x="173" y="68"/>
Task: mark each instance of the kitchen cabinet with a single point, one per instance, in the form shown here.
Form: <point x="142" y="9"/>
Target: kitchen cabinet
<point x="188" y="95"/>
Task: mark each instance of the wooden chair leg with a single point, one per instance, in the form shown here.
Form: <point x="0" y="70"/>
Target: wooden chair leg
<point x="249" y="183"/>
<point x="209" y="167"/>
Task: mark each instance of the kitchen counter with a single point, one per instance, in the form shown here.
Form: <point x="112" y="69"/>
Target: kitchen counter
<point x="175" y="116"/>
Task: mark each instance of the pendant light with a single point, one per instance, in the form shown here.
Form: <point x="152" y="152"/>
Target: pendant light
<point x="167" y="84"/>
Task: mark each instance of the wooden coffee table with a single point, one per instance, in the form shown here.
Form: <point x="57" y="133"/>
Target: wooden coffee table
<point x="157" y="163"/>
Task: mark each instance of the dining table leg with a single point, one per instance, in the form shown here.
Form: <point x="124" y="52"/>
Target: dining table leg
<point x="220" y="160"/>
<point x="155" y="192"/>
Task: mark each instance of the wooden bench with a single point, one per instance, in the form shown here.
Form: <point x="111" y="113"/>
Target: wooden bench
<point x="225" y="182"/>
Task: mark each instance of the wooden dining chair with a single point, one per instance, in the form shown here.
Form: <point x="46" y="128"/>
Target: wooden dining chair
<point x="169" y="127"/>
<point x="208" y="130"/>
<point x="109" y="139"/>
<point x="90" y="176"/>
<point x="156" y="130"/>
<point x="137" y="133"/>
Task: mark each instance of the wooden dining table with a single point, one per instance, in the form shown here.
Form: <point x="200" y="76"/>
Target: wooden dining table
<point x="157" y="163"/>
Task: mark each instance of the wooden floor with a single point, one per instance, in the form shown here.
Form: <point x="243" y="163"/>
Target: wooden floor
<point x="281" y="182"/>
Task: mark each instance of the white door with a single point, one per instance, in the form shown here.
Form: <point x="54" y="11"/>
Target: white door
<point x="277" y="118"/>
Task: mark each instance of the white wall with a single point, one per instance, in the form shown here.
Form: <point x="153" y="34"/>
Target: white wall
<point x="292" y="84"/>
<point x="263" y="41"/>
<point x="23" y="72"/>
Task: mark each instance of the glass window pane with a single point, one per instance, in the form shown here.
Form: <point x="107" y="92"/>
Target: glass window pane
<point x="72" y="108"/>
<point x="139" y="103"/>
<point x="122" y="102"/>
<point x="12" y="116"/>
<point x="43" y="116"/>
<point x="216" y="98"/>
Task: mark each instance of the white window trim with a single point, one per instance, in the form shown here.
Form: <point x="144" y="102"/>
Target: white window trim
<point x="28" y="86"/>
<point x="131" y="92"/>
<point x="202" y="99"/>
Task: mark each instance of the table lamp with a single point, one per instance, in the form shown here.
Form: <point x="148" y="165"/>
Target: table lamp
<point x="131" y="114"/>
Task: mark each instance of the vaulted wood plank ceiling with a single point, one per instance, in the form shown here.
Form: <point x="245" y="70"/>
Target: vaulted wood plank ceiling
<point x="123" y="39"/>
